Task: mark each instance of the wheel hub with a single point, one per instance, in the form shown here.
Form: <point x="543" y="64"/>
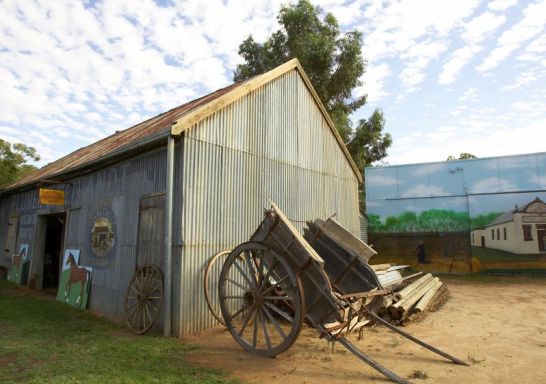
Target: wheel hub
<point x="253" y="298"/>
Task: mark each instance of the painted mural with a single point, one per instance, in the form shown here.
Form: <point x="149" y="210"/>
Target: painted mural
<point x="484" y="215"/>
<point x="19" y="265"/>
<point x="75" y="280"/>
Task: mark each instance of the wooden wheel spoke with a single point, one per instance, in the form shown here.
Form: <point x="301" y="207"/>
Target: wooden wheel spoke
<point x="275" y="285"/>
<point x="156" y="309"/>
<point x="236" y="284"/>
<point x="148" y="312"/>
<point x="145" y="288"/>
<point x="238" y="312"/>
<point x="279" y="298"/>
<point x="135" y="311"/>
<point x="134" y="289"/>
<point x="251" y="315"/>
<point x="261" y="270"/>
<point x="269" y="272"/>
<point x="147" y="281"/>
<point x="274" y="322"/>
<point x="279" y="311"/>
<point x="243" y="273"/>
<point x="261" y="274"/>
<point x="250" y="266"/>
<point x="255" y="330"/>
<point x="266" y="333"/>
<point x="132" y="305"/>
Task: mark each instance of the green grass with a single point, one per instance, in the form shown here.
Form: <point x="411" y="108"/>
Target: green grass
<point x="496" y="255"/>
<point x="45" y="341"/>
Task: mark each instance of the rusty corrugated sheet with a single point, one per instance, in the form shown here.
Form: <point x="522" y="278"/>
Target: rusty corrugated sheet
<point x="118" y="140"/>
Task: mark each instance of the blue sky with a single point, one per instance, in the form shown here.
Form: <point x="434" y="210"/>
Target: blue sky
<point x="451" y="76"/>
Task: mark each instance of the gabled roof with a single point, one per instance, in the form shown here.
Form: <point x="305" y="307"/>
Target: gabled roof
<point x="509" y="216"/>
<point x="175" y="122"/>
<point x="504" y="218"/>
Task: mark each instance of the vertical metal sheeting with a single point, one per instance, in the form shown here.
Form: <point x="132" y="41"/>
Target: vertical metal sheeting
<point x="271" y="144"/>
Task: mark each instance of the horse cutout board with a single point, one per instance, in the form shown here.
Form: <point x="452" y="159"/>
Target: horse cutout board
<point x="18" y="263"/>
<point x="75" y="280"/>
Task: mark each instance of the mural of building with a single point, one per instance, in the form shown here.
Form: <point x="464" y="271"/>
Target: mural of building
<point x="522" y="230"/>
<point x="180" y="187"/>
<point x="472" y="215"/>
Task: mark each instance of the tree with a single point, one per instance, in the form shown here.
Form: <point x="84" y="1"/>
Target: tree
<point x="462" y="156"/>
<point x="334" y="63"/>
<point x="368" y="143"/>
<point x="13" y="161"/>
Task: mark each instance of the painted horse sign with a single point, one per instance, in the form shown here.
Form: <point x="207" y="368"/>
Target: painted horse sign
<point x="75" y="280"/>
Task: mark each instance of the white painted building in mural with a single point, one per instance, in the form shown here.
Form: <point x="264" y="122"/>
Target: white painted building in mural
<point x="521" y="231"/>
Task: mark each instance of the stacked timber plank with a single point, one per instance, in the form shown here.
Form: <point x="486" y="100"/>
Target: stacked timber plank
<point x="425" y="294"/>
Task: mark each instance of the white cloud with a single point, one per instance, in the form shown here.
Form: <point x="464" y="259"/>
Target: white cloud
<point x="380" y="180"/>
<point x="532" y="23"/>
<point x="480" y="27"/>
<point x="456" y="62"/>
<point x="471" y="94"/>
<point x="485" y="185"/>
<point x="374" y="82"/>
<point x="475" y="32"/>
<point x="535" y="50"/>
<point x="66" y="64"/>
<point x="501" y="5"/>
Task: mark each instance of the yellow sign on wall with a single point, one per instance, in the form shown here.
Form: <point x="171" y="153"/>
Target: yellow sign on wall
<point x="50" y="196"/>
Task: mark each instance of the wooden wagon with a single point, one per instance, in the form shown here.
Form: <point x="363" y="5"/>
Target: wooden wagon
<point x="271" y="284"/>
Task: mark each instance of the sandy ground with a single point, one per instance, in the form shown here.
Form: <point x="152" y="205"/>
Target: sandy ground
<point x="498" y="326"/>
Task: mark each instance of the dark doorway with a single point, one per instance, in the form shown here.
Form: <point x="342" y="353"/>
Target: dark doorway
<point x="52" y="251"/>
<point x="541" y="236"/>
<point x="483" y="241"/>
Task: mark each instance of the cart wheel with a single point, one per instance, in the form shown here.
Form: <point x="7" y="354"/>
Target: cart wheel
<point x="216" y="260"/>
<point x="143" y="298"/>
<point x="261" y="299"/>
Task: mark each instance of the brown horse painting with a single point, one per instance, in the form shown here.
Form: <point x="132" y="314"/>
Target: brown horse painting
<point x="77" y="275"/>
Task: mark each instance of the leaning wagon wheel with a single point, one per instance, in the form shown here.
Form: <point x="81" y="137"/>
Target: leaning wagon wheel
<point x="143" y="298"/>
<point x="211" y="265"/>
<point x="261" y="299"/>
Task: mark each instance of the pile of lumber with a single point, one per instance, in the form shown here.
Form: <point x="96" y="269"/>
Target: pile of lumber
<point x="410" y="301"/>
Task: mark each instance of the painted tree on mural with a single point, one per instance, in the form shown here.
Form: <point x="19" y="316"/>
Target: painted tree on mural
<point x="481" y="221"/>
<point x="433" y="220"/>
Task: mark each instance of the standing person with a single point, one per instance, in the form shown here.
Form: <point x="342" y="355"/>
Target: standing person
<point x="420" y="251"/>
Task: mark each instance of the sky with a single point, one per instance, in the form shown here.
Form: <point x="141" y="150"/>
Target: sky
<point x="450" y="76"/>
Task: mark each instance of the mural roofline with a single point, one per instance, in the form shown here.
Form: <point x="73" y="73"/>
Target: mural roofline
<point x="458" y="161"/>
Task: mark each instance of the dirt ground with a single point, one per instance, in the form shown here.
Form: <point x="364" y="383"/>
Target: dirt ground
<point x="497" y="325"/>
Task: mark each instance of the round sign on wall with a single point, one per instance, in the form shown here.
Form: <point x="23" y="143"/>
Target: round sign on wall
<point x="102" y="236"/>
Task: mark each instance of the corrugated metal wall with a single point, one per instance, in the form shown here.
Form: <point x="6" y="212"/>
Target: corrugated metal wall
<point x="271" y="144"/>
<point x="115" y="192"/>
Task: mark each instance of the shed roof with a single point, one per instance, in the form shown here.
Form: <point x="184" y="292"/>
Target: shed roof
<point x="175" y="121"/>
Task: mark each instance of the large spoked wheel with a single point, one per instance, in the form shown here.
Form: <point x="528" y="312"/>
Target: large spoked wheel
<point x="143" y="298"/>
<point x="211" y="293"/>
<point x="261" y="299"/>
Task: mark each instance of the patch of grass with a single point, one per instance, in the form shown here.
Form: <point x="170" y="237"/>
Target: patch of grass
<point x="496" y="255"/>
<point x="45" y="341"/>
<point x="418" y="374"/>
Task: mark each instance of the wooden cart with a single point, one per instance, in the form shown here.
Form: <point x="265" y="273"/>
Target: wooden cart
<point x="271" y="284"/>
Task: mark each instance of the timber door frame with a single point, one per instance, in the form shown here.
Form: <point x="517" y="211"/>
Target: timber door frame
<point x="36" y="270"/>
